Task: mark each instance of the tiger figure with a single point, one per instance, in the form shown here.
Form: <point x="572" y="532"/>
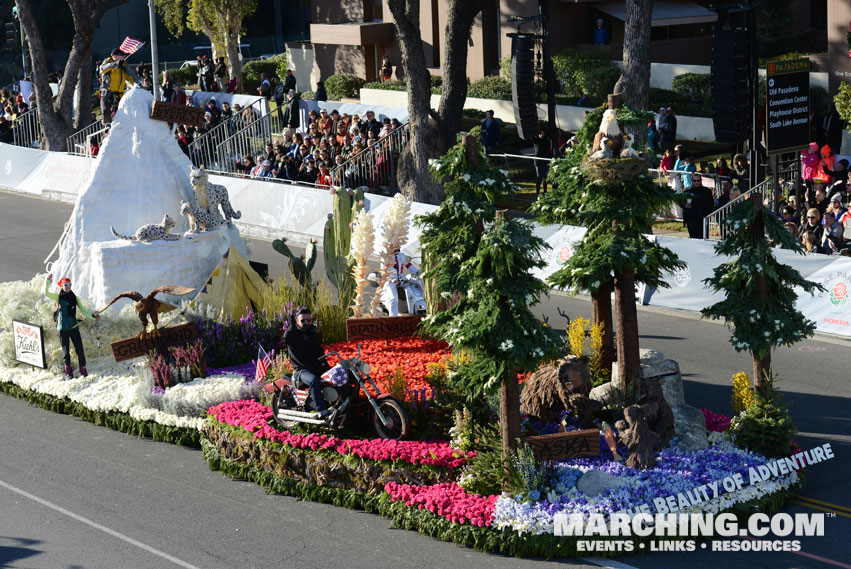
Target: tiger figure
<point x="208" y="197"/>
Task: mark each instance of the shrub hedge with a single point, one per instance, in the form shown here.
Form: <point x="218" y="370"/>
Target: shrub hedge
<point x="343" y="86"/>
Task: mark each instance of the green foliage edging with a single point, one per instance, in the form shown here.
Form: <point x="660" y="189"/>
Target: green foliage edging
<point x="329" y="467"/>
<point x="115" y="420"/>
<point x="489" y="540"/>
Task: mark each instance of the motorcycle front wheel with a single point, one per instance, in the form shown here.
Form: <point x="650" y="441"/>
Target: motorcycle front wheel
<point x="398" y="424"/>
<point x="282" y="401"/>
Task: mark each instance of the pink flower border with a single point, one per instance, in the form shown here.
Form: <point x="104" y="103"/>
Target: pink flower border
<point x="253" y="417"/>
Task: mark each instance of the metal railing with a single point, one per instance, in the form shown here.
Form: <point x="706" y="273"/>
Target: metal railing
<point x="250" y="140"/>
<point x="26" y="130"/>
<point x="204" y="149"/>
<point x="713" y="224"/>
<point x="78" y="143"/>
<point x="374" y="166"/>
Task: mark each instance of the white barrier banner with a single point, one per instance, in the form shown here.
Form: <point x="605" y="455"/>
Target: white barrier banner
<point x="272" y="210"/>
<point x="562" y="243"/>
<point x="687" y="291"/>
<point x="67" y="173"/>
<point x="830" y="309"/>
<point x="22" y="168"/>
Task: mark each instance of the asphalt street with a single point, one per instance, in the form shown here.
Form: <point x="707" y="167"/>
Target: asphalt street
<point x="79" y="496"/>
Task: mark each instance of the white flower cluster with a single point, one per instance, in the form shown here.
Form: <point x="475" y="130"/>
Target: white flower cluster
<point x="125" y="386"/>
<point x="506" y="345"/>
<point x="394" y="226"/>
<point x="363" y="236"/>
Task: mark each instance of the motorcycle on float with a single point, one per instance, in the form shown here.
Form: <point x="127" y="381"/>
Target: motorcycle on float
<point x="411" y="294"/>
<point x="341" y="386"/>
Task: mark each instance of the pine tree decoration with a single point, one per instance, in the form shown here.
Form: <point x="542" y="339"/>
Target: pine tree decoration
<point x="489" y="267"/>
<point x="760" y="296"/>
<point x="766" y="427"/>
<point x="613" y="253"/>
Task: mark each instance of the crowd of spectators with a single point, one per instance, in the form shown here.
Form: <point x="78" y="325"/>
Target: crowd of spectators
<point x="822" y="221"/>
<point x="310" y="153"/>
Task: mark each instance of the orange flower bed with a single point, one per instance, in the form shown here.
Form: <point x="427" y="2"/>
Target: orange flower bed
<point x="384" y="357"/>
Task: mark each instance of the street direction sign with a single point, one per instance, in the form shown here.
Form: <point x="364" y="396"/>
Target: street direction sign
<point x="787" y="105"/>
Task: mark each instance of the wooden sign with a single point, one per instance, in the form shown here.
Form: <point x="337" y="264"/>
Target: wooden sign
<point x="565" y="445"/>
<point x="130" y="348"/>
<point x="387" y="327"/>
<point x="179" y="114"/>
<point x="29" y="343"/>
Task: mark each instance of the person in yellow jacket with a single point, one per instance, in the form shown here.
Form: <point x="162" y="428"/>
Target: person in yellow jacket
<point x="114" y="78"/>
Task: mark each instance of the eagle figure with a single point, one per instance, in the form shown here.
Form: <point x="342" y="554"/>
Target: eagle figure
<point x="150" y="306"/>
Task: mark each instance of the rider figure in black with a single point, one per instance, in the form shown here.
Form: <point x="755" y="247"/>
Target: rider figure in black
<point x="304" y="347"/>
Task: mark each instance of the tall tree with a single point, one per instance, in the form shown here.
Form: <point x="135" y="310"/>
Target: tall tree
<point x="219" y="20"/>
<point x="760" y="302"/>
<point x="616" y="201"/>
<point x="432" y="133"/>
<point x="634" y="82"/>
<point x="55" y="113"/>
<point x="492" y="319"/>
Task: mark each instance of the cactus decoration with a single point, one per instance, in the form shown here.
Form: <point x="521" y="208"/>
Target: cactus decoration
<point x="338" y="239"/>
<point x="363" y="241"/>
<point x="301" y="266"/>
<point x="394" y="232"/>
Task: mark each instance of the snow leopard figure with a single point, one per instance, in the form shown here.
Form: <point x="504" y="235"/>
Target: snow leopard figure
<point x="151" y="231"/>
<point x="209" y="197"/>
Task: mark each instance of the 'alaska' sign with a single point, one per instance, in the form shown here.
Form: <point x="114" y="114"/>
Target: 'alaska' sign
<point x="565" y="445"/>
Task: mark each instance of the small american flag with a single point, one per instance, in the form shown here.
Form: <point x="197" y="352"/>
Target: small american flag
<point x="129" y="46"/>
<point x="264" y="362"/>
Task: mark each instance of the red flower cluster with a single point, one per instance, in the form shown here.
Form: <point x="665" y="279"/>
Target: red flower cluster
<point x="254" y="417"/>
<point x="447" y="500"/>
<point x="716" y="423"/>
<point x="386" y="356"/>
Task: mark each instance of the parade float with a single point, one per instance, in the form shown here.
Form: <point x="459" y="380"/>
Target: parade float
<point x="592" y="438"/>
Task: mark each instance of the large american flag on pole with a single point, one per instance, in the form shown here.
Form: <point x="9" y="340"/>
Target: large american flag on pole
<point x="130" y="46"/>
<point x="264" y="362"/>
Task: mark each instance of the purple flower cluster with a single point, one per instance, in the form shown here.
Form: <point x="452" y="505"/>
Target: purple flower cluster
<point x="566" y="418"/>
<point x="246" y="370"/>
<point x="676" y="471"/>
<point x="231" y="341"/>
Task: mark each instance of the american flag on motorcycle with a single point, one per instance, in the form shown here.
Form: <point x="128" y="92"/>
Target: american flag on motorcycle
<point x="264" y="362"/>
<point x="130" y="46"/>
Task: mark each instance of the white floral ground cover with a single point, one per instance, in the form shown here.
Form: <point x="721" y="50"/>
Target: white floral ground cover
<point x="125" y="387"/>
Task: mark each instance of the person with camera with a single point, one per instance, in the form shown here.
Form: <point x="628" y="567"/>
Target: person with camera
<point x="304" y="348"/>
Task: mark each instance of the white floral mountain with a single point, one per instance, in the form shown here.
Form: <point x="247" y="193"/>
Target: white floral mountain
<point x="139" y="176"/>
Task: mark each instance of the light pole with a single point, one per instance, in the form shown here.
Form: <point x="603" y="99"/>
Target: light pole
<point x="23" y="39"/>
<point x="155" y="67"/>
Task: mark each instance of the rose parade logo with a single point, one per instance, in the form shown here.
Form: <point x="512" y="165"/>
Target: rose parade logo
<point x="839" y="294"/>
<point x="837" y="285"/>
<point x="682" y="276"/>
<point x="563" y="255"/>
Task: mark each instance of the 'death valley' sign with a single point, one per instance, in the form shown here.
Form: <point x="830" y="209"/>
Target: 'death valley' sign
<point x="29" y="343"/>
